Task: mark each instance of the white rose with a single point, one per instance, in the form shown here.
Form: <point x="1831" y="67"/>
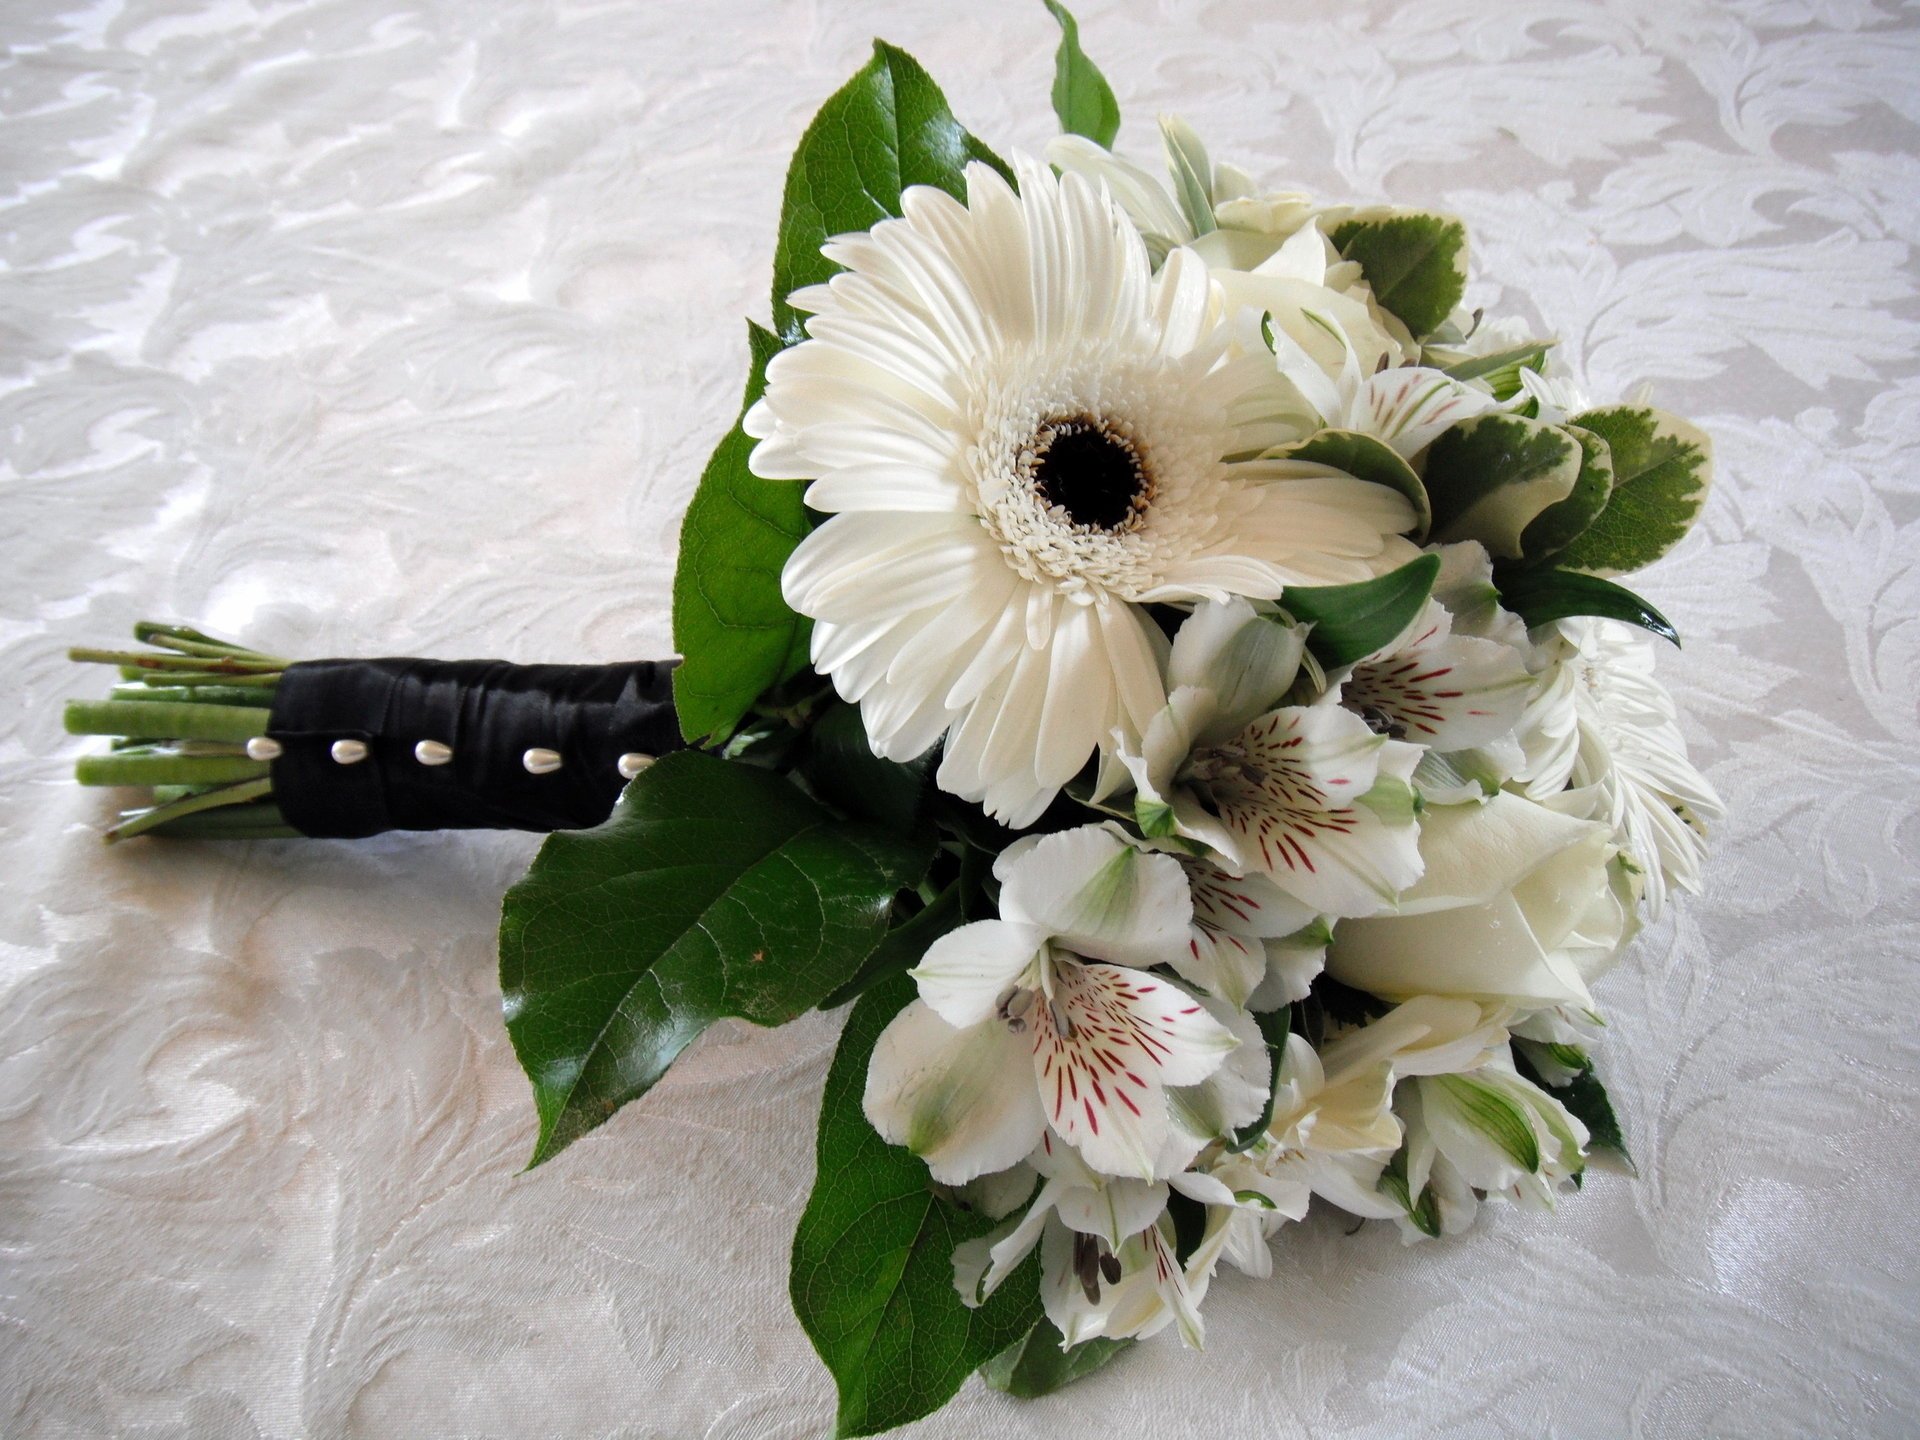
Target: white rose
<point x="1518" y="905"/>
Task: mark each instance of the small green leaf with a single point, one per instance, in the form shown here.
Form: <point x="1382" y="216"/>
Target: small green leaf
<point x="736" y="631"/>
<point x="1488" y="477"/>
<point x="886" y="129"/>
<point x="714" y="889"/>
<point x="1557" y="526"/>
<point x="1585" y="1097"/>
<point x="1350" y="622"/>
<point x="1501" y="370"/>
<point x="1038" y="1364"/>
<point x="1081" y="96"/>
<point x="1415" y="262"/>
<point x="1366" y="458"/>
<point x="1275" y="1026"/>
<point x="872" y="1273"/>
<point x="1662" y="467"/>
<point x="1494" y="1115"/>
<point x="1539" y="596"/>
<point x="838" y="761"/>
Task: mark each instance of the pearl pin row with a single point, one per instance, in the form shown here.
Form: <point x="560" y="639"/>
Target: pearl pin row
<point x="536" y="761"/>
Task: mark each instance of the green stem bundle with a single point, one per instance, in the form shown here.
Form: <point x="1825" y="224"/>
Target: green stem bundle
<point x="180" y="723"/>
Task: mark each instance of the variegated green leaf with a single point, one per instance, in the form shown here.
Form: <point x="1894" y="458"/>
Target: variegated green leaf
<point x="1416" y="262"/>
<point x="1499" y="1117"/>
<point x="1662" y="467"/>
<point x="1366" y="458"/>
<point x="1489" y="477"/>
<point x="1557" y="526"/>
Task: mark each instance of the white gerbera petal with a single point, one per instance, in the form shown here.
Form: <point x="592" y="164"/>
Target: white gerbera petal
<point x="1066" y="434"/>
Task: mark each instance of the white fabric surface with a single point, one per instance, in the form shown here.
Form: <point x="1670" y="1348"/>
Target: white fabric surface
<point x="405" y="325"/>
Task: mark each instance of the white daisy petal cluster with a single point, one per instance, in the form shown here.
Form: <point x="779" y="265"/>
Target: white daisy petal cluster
<point x="1306" y="924"/>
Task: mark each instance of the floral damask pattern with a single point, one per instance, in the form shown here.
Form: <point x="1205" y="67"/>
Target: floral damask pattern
<point x="353" y="327"/>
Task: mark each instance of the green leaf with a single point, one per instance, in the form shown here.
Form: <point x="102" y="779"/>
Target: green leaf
<point x="736" y="631"/>
<point x="714" y="889"/>
<point x="904" y="945"/>
<point x="1366" y="458"/>
<point x="1275" y="1026"/>
<point x="1557" y="526"/>
<point x="838" y="762"/>
<point x="1538" y="596"/>
<point x="872" y="1275"/>
<point x="1662" y="467"/>
<point x="886" y="129"/>
<point x="1415" y="262"/>
<point x="1488" y="477"/>
<point x="1494" y="1115"/>
<point x="1350" y="622"/>
<point x="1081" y="96"/>
<point x="1501" y="370"/>
<point x="1038" y="1362"/>
<point x="1585" y="1097"/>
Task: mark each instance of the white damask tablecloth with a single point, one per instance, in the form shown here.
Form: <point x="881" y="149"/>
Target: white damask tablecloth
<point x="405" y="325"/>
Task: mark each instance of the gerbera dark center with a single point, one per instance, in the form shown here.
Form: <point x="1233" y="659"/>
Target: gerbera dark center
<point x="1092" y="473"/>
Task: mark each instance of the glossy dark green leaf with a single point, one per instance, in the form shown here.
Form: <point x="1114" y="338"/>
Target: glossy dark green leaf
<point x="886" y="129"/>
<point x="1415" y="262"/>
<point x="1366" y="458"/>
<point x="1557" y="526"/>
<point x="1489" y="477"/>
<point x="903" y="946"/>
<point x="1350" y="622"/>
<point x="872" y="1274"/>
<point x="1662" y="469"/>
<point x="736" y="631"/>
<point x="1036" y="1364"/>
<point x="1538" y="596"/>
<point x="838" y="762"/>
<point x="1081" y="96"/>
<point x="714" y="889"/>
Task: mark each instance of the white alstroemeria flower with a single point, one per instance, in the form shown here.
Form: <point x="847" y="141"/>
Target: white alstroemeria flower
<point x="1171" y="208"/>
<point x="1252" y="944"/>
<point x="1442" y="691"/>
<point x="1334" y="1129"/>
<point x="1022" y="437"/>
<point x="1136" y="1291"/>
<point x="1308" y="796"/>
<point x="1359" y="385"/>
<point x="1046" y="1019"/>
<point x="1628" y="744"/>
<point x="1489" y="1131"/>
<point x="1519" y="905"/>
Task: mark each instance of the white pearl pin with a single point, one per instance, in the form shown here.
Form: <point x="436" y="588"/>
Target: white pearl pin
<point x="632" y="763"/>
<point x="432" y="752"/>
<point x="263" y="747"/>
<point x="348" y="752"/>
<point x="541" y="762"/>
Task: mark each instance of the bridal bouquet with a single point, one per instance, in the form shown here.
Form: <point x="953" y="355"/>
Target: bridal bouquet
<point x="1149" y="650"/>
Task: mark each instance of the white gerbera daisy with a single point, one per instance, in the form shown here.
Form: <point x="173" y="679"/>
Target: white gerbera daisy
<point x="1631" y="748"/>
<point x="1022" y="436"/>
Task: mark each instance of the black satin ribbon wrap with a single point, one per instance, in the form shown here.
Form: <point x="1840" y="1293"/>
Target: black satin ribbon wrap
<point x="490" y="713"/>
